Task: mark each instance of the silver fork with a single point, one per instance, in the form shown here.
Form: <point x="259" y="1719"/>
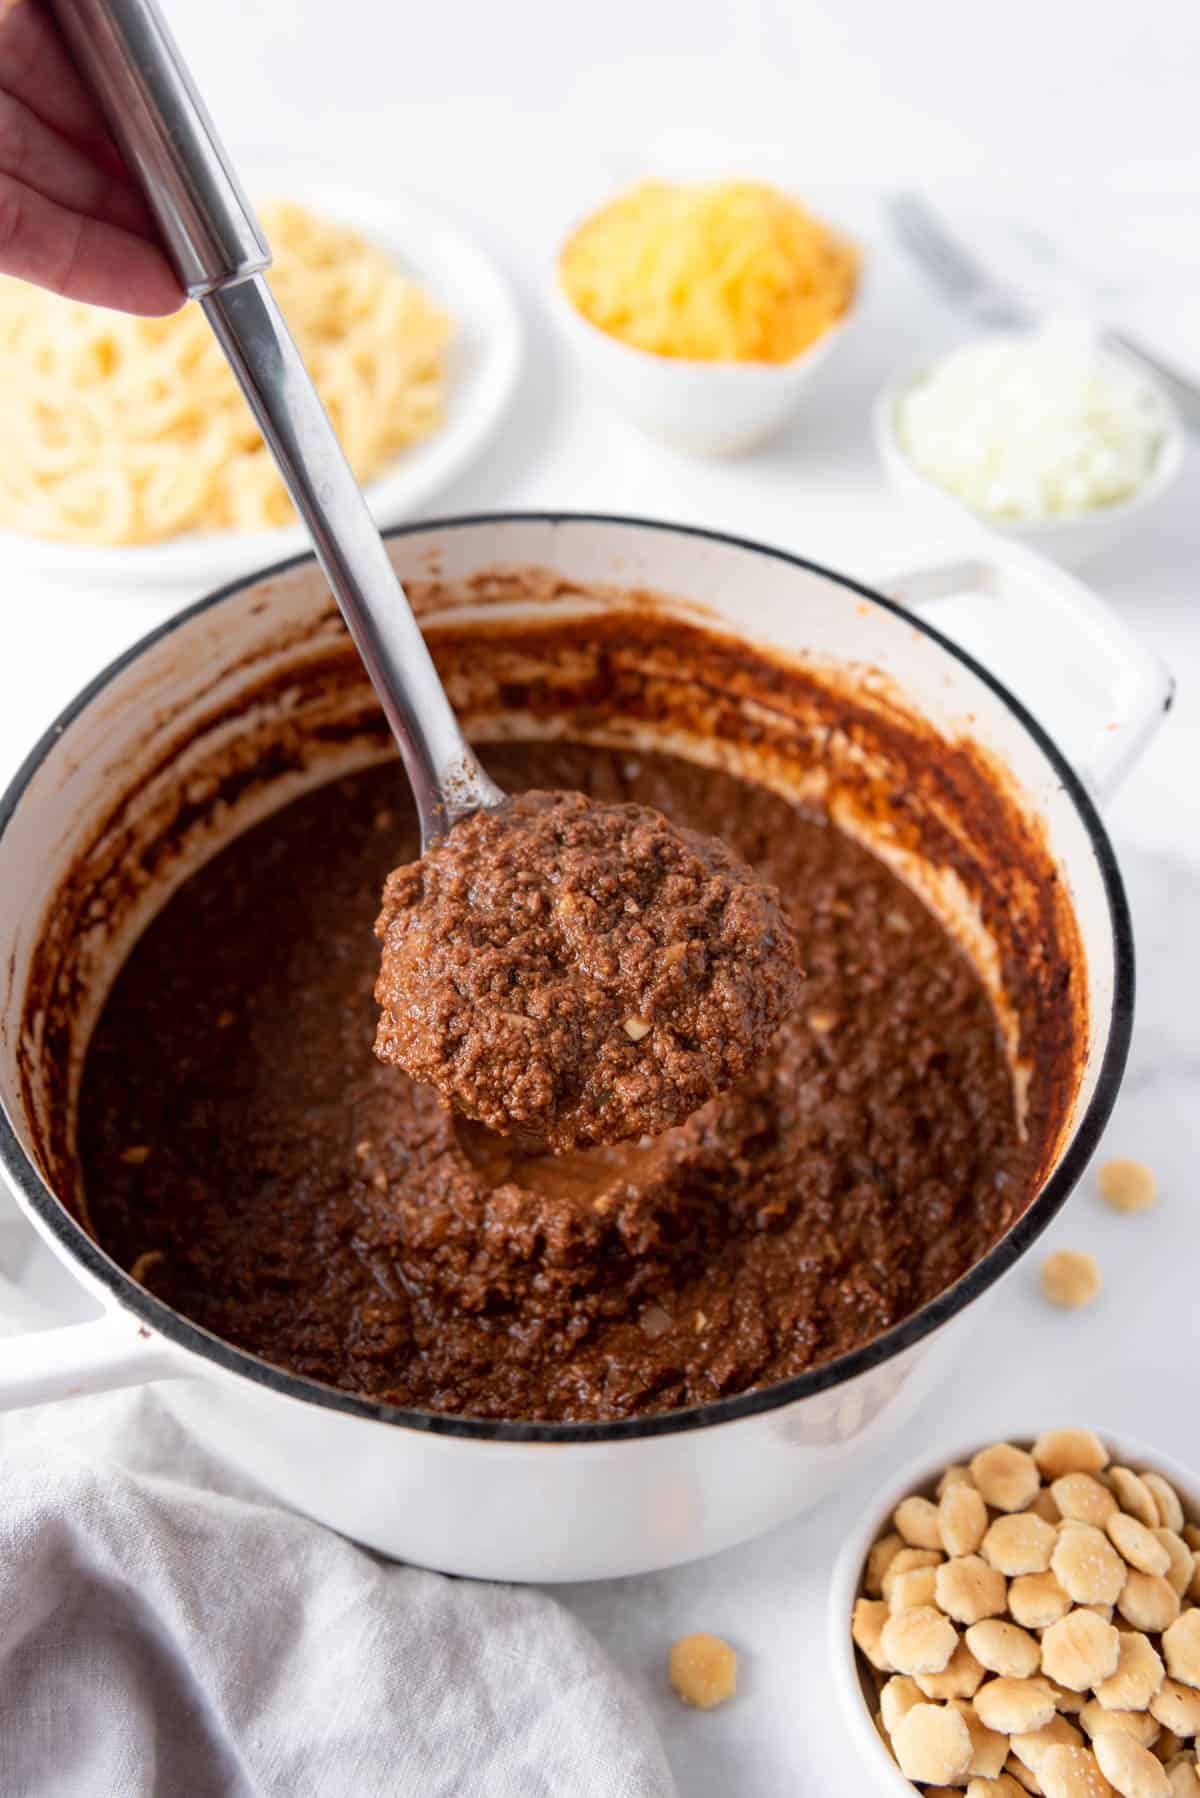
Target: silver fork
<point x="967" y="284"/>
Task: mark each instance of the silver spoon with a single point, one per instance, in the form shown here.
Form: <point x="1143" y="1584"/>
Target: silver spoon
<point x="128" y="58"/>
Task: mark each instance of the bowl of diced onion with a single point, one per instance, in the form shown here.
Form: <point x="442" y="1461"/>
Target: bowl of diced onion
<point x="1045" y="436"/>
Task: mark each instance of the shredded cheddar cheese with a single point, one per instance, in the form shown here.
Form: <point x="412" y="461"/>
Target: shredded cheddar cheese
<point x="728" y="271"/>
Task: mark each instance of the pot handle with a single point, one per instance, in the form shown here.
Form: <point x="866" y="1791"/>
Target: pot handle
<point x="1062" y="650"/>
<point x="111" y="1350"/>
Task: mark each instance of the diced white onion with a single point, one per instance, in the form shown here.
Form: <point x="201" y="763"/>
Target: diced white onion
<point x="1038" y="426"/>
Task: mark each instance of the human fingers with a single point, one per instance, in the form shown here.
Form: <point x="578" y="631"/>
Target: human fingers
<point x="59" y="171"/>
<point x="36" y="69"/>
<point x="84" y="258"/>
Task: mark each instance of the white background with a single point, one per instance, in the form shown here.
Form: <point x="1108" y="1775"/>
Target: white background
<point x="1083" y="116"/>
<point x="1084" y="109"/>
<point x="1098" y="90"/>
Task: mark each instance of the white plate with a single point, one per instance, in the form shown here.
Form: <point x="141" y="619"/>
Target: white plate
<point x="483" y="362"/>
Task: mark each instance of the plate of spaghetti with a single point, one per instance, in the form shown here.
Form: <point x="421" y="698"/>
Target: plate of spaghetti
<point x="128" y="454"/>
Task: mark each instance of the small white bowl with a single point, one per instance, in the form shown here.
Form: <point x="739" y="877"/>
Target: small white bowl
<point x="881" y="1771"/>
<point x="1068" y="540"/>
<point x="707" y="408"/>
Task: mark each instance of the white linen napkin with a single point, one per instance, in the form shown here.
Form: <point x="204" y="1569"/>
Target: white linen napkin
<point x="166" y="1631"/>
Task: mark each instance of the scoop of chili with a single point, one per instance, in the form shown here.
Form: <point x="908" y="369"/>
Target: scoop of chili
<point x="577" y="973"/>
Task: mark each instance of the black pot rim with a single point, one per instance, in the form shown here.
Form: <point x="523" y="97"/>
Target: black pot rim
<point x="79" y="1247"/>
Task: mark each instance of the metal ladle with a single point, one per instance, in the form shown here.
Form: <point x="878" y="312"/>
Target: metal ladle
<point x="126" y="55"/>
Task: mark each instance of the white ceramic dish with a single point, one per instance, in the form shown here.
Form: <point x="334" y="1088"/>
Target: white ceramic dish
<point x="881" y="1772"/>
<point x="483" y="363"/>
<point x="706" y="408"/>
<point x="1070" y="541"/>
<point x="513" y="1499"/>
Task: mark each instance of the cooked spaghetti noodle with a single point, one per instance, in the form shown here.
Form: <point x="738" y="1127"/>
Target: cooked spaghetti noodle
<point x="130" y="430"/>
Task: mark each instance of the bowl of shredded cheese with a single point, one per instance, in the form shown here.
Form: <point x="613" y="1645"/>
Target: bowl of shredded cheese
<point x="1043" y="436"/>
<point x="131" y="456"/>
<point x="701" y="310"/>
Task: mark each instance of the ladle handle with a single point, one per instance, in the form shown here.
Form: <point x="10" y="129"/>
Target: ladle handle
<point x="446" y="777"/>
<point x="126" y="54"/>
<point x="129" y="59"/>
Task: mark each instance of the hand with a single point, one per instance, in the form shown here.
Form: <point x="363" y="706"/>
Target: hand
<point x="70" y="217"/>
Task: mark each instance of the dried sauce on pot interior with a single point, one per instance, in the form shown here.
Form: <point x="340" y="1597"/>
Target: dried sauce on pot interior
<point x="246" y="1155"/>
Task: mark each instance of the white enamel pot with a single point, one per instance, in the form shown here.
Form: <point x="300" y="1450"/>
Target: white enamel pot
<point x="517" y="1500"/>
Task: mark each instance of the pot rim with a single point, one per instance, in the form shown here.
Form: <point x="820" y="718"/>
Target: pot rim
<point x="71" y="1238"/>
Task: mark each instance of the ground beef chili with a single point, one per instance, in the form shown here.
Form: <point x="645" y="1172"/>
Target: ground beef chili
<point x="245" y="1151"/>
<point x="574" y="973"/>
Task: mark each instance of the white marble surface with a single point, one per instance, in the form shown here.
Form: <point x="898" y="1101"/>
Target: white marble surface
<point x="1131" y="1360"/>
